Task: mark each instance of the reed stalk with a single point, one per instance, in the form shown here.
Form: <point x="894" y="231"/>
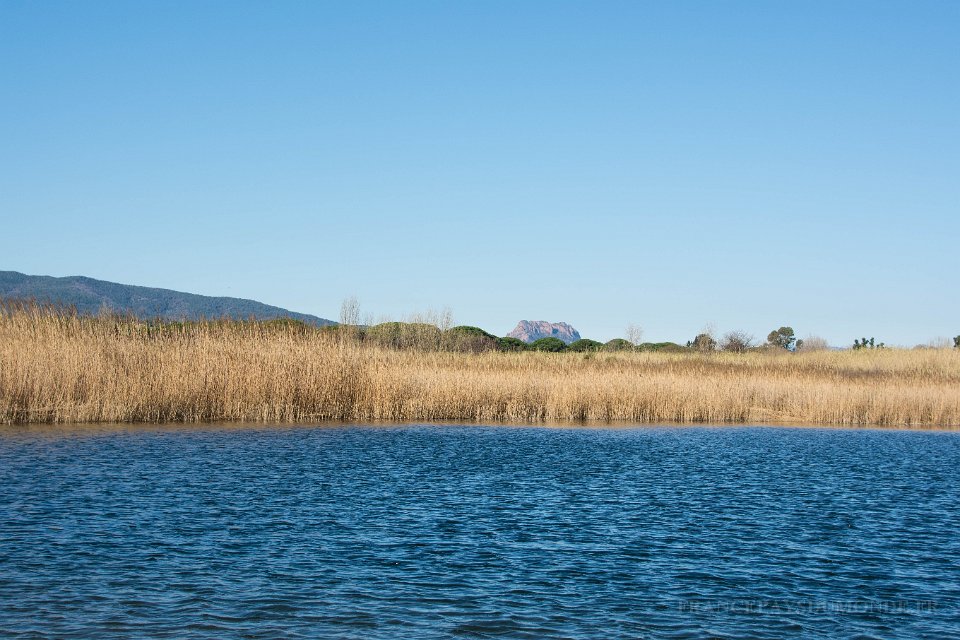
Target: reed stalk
<point x="57" y="366"/>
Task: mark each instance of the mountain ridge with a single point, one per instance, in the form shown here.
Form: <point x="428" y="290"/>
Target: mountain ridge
<point x="90" y="295"/>
<point x="533" y="330"/>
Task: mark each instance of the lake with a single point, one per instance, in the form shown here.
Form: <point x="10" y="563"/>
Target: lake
<point x="478" y="532"/>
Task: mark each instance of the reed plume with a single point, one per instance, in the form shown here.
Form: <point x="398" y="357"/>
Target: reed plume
<point x="58" y="366"/>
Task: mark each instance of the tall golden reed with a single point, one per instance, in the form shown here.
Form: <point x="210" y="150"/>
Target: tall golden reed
<point x="61" y="367"/>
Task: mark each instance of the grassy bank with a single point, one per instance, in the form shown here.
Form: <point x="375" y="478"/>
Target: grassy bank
<point x="57" y="367"/>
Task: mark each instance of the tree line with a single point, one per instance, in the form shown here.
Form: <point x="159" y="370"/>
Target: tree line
<point x="435" y="331"/>
<point x="429" y="336"/>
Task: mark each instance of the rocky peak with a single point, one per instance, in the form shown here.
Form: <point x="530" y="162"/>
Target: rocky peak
<point x="532" y="330"/>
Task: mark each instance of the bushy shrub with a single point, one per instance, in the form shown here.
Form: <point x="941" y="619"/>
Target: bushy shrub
<point x="511" y="344"/>
<point x="551" y="344"/>
<point x="665" y="347"/>
<point x="704" y="343"/>
<point x="585" y="344"/>
<point x="473" y="331"/>
<point x="469" y="339"/>
<point x="618" y="344"/>
<point x="784" y="337"/>
<point x="737" y="342"/>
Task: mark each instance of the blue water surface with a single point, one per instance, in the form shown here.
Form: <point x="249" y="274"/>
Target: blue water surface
<point x="478" y="532"/>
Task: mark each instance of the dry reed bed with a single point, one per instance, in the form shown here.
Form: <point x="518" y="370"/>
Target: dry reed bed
<point x="58" y="367"/>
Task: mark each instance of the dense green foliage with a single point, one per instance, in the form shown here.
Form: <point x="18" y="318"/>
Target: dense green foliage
<point x="469" y="339"/>
<point x="666" y="347"/>
<point x="472" y="331"/>
<point x="585" y="344"/>
<point x="867" y="344"/>
<point x="551" y="344"/>
<point x="783" y="338"/>
<point x="511" y="344"/>
<point x="618" y="344"/>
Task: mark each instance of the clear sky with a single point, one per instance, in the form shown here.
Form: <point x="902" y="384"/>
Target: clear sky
<point x="669" y="164"/>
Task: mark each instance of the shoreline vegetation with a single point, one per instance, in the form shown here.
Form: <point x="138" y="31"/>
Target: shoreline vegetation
<point x="57" y="366"/>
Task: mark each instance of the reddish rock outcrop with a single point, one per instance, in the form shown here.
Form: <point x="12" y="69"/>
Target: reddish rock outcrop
<point x="532" y="330"/>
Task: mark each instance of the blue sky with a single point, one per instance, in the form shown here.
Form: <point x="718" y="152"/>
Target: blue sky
<point x="672" y="164"/>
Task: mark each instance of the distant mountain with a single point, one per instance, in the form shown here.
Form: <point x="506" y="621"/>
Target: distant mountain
<point x="90" y="296"/>
<point x="532" y="330"/>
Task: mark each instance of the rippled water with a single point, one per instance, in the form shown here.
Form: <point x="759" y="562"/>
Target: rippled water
<point x="443" y="531"/>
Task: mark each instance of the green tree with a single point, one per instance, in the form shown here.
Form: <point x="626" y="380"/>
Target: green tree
<point x="511" y="344"/>
<point x="865" y="343"/>
<point x="585" y="344"/>
<point x="618" y="344"/>
<point x="548" y="344"/>
<point x="784" y="338"/>
<point x="469" y="339"/>
<point x="956" y="342"/>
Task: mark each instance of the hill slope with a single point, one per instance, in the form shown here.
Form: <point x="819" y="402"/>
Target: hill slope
<point x="90" y="296"/>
